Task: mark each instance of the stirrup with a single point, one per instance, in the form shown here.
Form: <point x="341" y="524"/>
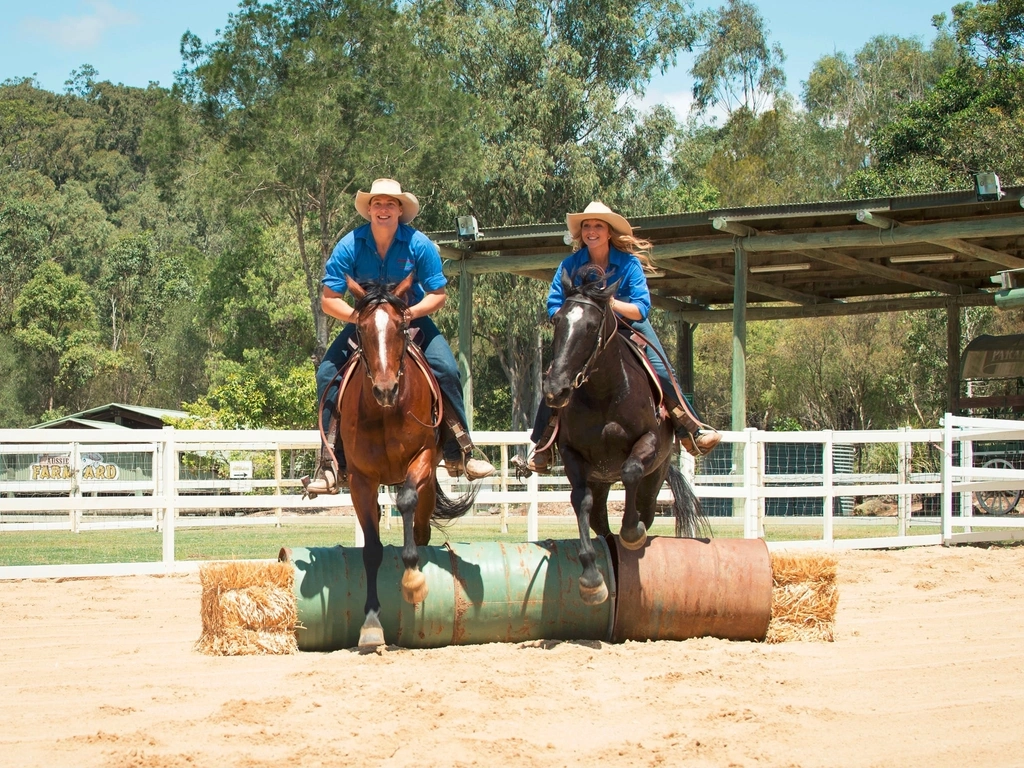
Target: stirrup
<point x="325" y="483"/>
<point x="540" y="461"/>
<point x="700" y="442"/>
<point x="473" y="469"/>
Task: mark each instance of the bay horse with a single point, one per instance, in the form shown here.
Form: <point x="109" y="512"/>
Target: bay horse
<point x="389" y="408"/>
<point x="609" y="428"/>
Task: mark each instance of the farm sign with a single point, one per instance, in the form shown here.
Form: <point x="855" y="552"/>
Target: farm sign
<point x="58" y="467"/>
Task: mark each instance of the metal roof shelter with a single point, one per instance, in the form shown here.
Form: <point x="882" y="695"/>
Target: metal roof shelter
<point x="939" y="250"/>
<point x="115" y="415"/>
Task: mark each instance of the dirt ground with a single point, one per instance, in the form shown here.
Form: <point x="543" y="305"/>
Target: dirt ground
<point x="927" y="670"/>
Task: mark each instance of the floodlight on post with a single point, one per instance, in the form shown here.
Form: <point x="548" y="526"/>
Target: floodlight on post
<point x="468" y="229"/>
<point x="987" y="186"/>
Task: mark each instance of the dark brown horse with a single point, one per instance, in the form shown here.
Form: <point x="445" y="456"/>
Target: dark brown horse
<point x="389" y="414"/>
<point x="609" y="429"/>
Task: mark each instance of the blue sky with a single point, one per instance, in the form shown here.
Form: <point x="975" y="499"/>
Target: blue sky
<point x="137" y="41"/>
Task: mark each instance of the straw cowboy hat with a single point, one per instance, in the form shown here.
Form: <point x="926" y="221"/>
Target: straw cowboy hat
<point x="597" y="210"/>
<point x="391" y="188"/>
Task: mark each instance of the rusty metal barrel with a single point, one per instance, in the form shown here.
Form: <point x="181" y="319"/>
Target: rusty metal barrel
<point x="477" y="593"/>
<point x="675" y="589"/>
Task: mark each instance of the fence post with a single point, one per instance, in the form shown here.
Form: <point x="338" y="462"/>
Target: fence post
<point x="903" y="501"/>
<point x="277" y="480"/>
<point x="947" y="479"/>
<point x="170" y="484"/>
<point x="828" y="492"/>
<point x="76" y="487"/>
<point x="533" y="488"/>
<point x="504" y="487"/>
<point x="753" y="480"/>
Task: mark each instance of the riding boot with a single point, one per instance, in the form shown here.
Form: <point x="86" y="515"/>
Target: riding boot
<point x="328" y="473"/>
<point x="459" y="461"/>
<point x="696" y="438"/>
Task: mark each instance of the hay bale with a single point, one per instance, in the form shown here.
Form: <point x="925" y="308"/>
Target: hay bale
<point x="247" y="609"/>
<point x="804" y="598"/>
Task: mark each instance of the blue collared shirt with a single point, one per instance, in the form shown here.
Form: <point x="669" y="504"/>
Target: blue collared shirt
<point x="633" y="288"/>
<point x="355" y="255"/>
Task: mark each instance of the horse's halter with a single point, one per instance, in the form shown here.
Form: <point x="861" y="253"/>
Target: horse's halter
<point x="604" y="337"/>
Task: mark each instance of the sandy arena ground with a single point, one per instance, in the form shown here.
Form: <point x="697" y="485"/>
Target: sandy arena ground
<point x="927" y="670"/>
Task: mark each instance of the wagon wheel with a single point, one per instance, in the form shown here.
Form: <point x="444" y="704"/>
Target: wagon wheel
<point x="998" y="502"/>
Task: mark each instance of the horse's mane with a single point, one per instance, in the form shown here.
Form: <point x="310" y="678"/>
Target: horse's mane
<point x="593" y="284"/>
<point x="379" y="293"/>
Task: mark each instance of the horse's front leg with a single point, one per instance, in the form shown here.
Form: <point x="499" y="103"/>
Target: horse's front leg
<point x="414" y="583"/>
<point x="633" y="532"/>
<point x="364" y="499"/>
<point x="593" y="589"/>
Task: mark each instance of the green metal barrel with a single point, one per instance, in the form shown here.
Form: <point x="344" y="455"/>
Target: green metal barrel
<point x="482" y="592"/>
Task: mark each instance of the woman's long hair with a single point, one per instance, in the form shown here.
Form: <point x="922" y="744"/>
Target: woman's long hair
<point x="626" y="243"/>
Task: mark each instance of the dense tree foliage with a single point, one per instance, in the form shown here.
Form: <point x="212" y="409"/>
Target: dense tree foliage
<point x="164" y="247"/>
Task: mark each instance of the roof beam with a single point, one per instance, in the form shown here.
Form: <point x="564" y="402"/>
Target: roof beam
<point x="841" y="259"/>
<point x="753" y="286"/>
<point x="980" y="252"/>
<point x="723" y="224"/>
<point x="953" y="244"/>
<point x="875" y="220"/>
<point x="993" y="226"/>
<point x="906" y="304"/>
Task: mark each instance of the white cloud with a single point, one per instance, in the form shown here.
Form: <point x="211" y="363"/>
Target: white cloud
<point x="79" y="32"/>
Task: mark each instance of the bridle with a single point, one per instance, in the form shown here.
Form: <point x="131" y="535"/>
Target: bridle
<point x="604" y="337"/>
<point x="361" y="348"/>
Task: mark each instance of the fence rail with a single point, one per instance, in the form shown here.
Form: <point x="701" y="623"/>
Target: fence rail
<point x="71" y="480"/>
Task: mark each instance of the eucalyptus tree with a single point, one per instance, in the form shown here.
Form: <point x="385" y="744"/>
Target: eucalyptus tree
<point x="310" y="100"/>
<point x="737" y="67"/>
<point x="555" y="80"/>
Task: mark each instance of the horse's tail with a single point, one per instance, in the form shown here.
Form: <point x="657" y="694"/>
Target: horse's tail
<point x="451" y="509"/>
<point x="689" y="514"/>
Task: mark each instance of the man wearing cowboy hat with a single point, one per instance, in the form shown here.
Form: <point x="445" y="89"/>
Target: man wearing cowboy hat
<point x="605" y="239"/>
<point x="387" y="249"/>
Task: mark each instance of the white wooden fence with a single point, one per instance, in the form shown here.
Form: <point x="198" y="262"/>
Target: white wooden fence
<point x="51" y="497"/>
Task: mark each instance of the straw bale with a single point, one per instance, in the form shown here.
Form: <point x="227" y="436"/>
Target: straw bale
<point x="247" y="609"/>
<point x="804" y="598"/>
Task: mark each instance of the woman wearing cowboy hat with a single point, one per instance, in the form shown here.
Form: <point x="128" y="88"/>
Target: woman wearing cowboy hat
<point x="605" y="239"/>
<point x="387" y="249"/>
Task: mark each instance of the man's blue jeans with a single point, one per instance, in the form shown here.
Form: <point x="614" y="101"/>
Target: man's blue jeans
<point x="439" y="356"/>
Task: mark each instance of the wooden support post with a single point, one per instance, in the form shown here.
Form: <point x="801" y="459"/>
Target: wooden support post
<point x="739" y="364"/>
<point x="953" y="358"/>
<point x="466" y="339"/>
<point x="684" y="354"/>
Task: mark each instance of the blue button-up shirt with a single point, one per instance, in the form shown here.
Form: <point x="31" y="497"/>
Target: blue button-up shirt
<point x="355" y="255"/>
<point x="633" y="288"/>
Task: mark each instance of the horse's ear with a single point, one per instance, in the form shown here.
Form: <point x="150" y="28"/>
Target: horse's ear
<point x="612" y="289"/>
<point x="403" y="287"/>
<point x="566" y="282"/>
<point x="355" y="288"/>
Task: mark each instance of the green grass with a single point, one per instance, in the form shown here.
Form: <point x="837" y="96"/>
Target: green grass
<point x="264" y="542"/>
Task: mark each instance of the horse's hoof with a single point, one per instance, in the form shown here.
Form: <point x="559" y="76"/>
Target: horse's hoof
<point x="593" y="595"/>
<point x="414" y="586"/>
<point x="637" y="543"/>
<point x="371" y="634"/>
